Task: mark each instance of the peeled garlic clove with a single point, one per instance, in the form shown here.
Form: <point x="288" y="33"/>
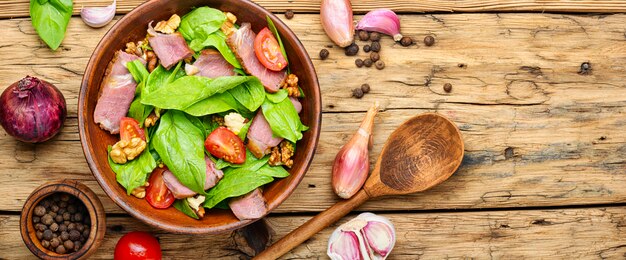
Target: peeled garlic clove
<point x="191" y="70"/>
<point x="344" y="245"/>
<point x="337" y="21"/>
<point x="382" y="21"/>
<point x="379" y="234"/>
<point x="97" y="17"/>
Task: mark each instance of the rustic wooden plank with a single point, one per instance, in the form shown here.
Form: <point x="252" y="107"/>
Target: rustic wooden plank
<point x="555" y="234"/>
<point x="19" y="8"/>
<point x="537" y="133"/>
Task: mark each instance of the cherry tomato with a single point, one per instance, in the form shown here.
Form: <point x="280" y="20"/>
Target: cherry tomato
<point x="157" y="194"/>
<point x="224" y="144"/>
<point x="268" y="51"/>
<point x="137" y="245"/>
<point x="129" y="129"/>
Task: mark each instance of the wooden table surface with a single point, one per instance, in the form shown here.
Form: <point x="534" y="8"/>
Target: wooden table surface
<point x="544" y="170"/>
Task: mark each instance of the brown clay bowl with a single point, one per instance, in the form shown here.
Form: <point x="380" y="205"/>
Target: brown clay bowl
<point x="82" y="193"/>
<point x="132" y="27"/>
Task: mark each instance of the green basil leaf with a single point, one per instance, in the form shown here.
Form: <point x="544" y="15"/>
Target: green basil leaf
<point x="273" y="171"/>
<point x="50" y="20"/>
<point x="216" y="40"/>
<point x="250" y="94"/>
<point x="134" y="173"/>
<point x="278" y="96"/>
<point x="181" y="147"/>
<point x="236" y="182"/>
<point x="183" y="206"/>
<point x="283" y="119"/>
<point x="190" y="89"/>
<point x="138" y="70"/>
<point x="201" y="22"/>
<point x="272" y="28"/>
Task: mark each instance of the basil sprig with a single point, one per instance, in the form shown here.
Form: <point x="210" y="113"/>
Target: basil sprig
<point x="50" y="19"/>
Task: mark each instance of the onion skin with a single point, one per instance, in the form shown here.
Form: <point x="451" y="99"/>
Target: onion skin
<point x="337" y="21"/>
<point x="32" y="110"/>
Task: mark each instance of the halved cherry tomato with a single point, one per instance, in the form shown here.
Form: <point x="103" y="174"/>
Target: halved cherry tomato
<point x="129" y="129"/>
<point x="268" y="52"/>
<point x="157" y="194"/>
<point x="224" y="144"/>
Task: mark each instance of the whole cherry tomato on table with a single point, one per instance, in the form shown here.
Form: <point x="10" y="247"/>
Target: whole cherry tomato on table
<point x="137" y="245"/>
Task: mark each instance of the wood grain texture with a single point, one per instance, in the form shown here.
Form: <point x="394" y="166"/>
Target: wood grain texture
<point x="593" y="233"/>
<point x="536" y="132"/>
<point x="19" y="8"/>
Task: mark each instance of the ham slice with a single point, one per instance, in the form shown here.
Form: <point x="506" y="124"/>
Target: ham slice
<point x="211" y="64"/>
<point x="116" y="94"/>
<point x="249" y="206"/>
<point x="169" y="48"/>
<point x="260" y="136"/>
<point x="242" y="44"/>
<point x="181" y="191"/>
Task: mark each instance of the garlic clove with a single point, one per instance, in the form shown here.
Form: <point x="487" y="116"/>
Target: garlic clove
<point x="191" y="69"/>
<point x="337" y="21"/>
<point x="382" y="21"/>
<point x="379" y="237"/>
<point x="97" y="17"/>
<point x="344" y="245"/>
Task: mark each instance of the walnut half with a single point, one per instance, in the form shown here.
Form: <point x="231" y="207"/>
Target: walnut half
<point x="124" y="151"/>
<point x="140" y="192"/>
<point x="168" y="26"/>
<point x="228" y="26"/>
<point x="290" y="83"/>
<point x="282" y="154"/>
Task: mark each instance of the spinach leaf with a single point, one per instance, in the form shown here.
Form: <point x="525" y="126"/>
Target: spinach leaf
<point x="183" y="206"/>
<point x="274" y="171"/>
<point x="283" y="119"/>
<point x="236" y="182"/>
<point x="161" y="77"/>
<point x="272" y="28"/>
<point x="200" y="23"/>
<point x="212" y="105"/>
<point x="133" y="173"/>
<point x="250" y="94"/>
<point x="209" y="125"/>
<point x="216" y="40"/>
<point x="244" y="130"/>
<point x="190" y="89"/>
<point x="181" y="147"/>
<point x="50" y="19"/>
<point x="251" y="163"/>
<point x="278" y="96"/>
<point x="138" y="70"/>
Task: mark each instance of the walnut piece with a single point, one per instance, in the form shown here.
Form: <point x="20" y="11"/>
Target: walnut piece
<point x="151" y="120"/>
<point x="282" y="154"/>
<point x="151" y="60"/>
<point x="290" y="83"/>
<point x="124" y="150"/>
<point x="140" y="192"/>
<point x="168" y="26"/>
<point x="228" y="26"/>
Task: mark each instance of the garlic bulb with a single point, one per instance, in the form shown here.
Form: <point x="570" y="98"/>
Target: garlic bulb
<point x="97" y="17"/>
<point x="368" y="236"/>
<point x="382" y="21"/>
<point x="337" y="21"/>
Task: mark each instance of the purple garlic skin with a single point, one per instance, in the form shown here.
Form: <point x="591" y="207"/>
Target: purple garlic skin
<point x="368" y="236"/>
<point x="382" y="21"/>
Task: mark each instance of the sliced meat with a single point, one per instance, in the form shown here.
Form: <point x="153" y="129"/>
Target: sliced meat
<point x="169" y="48"/>
<point x="242" y="44"/>
<point x="249" y="206"/>
<point x="212" y="64"/>
<point x="116" y="94"/>
<point x="181" y="191"/>
<point x="260" y="136"/>
<point x="296" y="104"/>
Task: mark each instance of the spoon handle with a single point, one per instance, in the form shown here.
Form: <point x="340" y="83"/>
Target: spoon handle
<point x="313" y="226"/>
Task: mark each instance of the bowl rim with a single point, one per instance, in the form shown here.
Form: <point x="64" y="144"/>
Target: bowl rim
<point x="315" y="128"/>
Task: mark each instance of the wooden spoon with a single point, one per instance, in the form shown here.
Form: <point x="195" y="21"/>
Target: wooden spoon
<point x="421" y="153"/>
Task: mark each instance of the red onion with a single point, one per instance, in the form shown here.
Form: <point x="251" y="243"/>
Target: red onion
<point x="32" y="110"/>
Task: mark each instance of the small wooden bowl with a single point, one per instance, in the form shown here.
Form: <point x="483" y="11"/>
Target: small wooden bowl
<point x="83" y="194"/>
<point x="132" y="27"/>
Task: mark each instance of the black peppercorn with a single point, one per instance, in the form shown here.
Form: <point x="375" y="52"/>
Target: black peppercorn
<point x="65" y="235"/>
<point x="429" y="40"/>
<point x="71" y="226"/>
<point x="86" y="233"/>
<point x="406" y="41"/>
<point x="375" y="36"/>
<point x="447" y="87"/>
<point x="47" y="219"/>
<point x="54" y="227"/>
<point x="69" y="245"/>
<point x="74" y="235"/>
<point x="60" y="249"/>
<point x="365" y="88"/>
<point x="62" y="204"/>
<point x="380" y="65"/>
<point x="41" y="227"/>
<point x="45" y="203"/>
<point x="45" y="243"/>
<point x="58" y="219"/>
<point x="47" y="234"/>
<point x="77" y="245"/>
<point x="54" y="208"/>
<point x="374" y="56"/>
<point x="358" y="62"/>
<point x="363" y="35"/>
<point x="78" y="217"/>
<point x="62" y="227"/>
<point x="55" y="242"/>
<point x="585" y="68"/>
<point x="36" y="219"/>
<point x="39" y="211"/>
<point x="324" y="54"/>
<point x="375" y="46"/>
<point x="39" y="234"/>
<point x="67" y="216"/>
<point x="357" y="93"/>
<point x="289" y="14"/>
<point x="61" y="211"/>
<point x="352" y="50"/>
<point x="71" y="209"/>
<point x="52" y="214"/>
<point x="368" y="63"/>
<point x="367" y="48"/>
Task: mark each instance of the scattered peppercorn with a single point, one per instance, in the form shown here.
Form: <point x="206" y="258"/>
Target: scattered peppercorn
<point x="375" y="36"/>
<point x="447" y="87"/>
<point x="363" y="35"/>
<point x="585" y="68"/>
<point x="367" y="63"/>
<point x="61" y="225"/>
<point x="289" y="14"/>
<point x="365" y="88"/>
<point x="357" y="93"/>
<point x="375" y="46"/>
<point x="324" y="54"/>
<point x="367" y="48"/>
<point x="375" y="56"/>
<point x="359" y="63"/>
<point x="429" y="40"/>
<point x="352" y="50"/>
<point x="380" y="65"/>
<point x="406" y="41"/>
